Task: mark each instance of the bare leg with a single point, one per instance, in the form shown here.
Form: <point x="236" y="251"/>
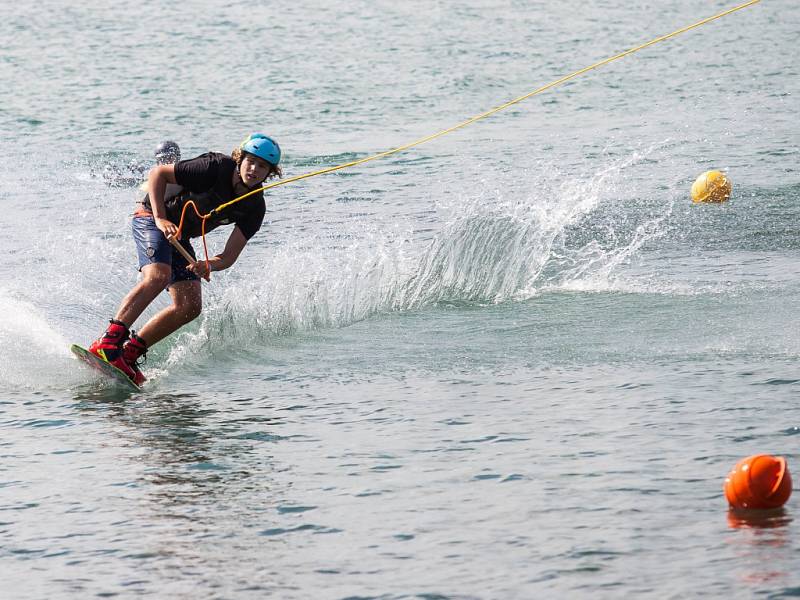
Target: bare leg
<point x="187" y="303"/>
<point x="155" y="278"/>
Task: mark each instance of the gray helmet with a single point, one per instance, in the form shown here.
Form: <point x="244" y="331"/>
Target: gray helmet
<point x="167" y="153"/>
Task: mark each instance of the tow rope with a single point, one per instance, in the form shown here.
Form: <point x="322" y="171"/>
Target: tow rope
<point x="438" y="134"/>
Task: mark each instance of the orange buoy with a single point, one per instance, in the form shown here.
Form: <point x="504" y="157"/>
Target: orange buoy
<point x="759" y="481"/>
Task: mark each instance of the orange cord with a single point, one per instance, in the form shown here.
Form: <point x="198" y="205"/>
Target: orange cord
<point x="202" y="230"/>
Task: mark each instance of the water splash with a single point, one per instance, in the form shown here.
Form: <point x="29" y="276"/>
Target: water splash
<point x="508" y="240"/>
<point x="506" y="237"/>
<point x="28" y="343"/>
<point x="507" y="244"/>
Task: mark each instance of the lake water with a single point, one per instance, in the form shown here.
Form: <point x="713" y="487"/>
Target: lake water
<point x="513" y="362"/>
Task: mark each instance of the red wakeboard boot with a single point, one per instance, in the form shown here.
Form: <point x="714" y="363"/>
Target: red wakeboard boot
<point x="134" y="349"/>
<point x="109" y="347"/>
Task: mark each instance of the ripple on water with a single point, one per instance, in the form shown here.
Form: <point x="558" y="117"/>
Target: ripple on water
<point x="313" y="529"/>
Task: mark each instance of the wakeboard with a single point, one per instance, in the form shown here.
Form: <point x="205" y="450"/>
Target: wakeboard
<point x="105" y="368"/>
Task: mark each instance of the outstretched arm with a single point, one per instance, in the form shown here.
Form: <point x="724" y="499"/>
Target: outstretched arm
<point x="233" y="248"/>
<point x="157" y="182"/>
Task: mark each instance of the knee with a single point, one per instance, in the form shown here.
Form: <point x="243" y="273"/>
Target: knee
<point x="156" y="276"/>
<point x="190" y="311"/>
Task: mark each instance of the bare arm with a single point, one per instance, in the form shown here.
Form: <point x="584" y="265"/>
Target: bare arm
<point x="157" y="182"/>
<point x="233" y="248"/>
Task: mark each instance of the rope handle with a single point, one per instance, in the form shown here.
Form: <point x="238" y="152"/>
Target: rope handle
<point x="173" y="239"/>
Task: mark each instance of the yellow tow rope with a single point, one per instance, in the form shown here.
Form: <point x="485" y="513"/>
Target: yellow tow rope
<point x="433" y="136"/>
<point x="488" y="112"/>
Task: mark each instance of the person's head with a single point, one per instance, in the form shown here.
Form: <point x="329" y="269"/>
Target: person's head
<point x="257" y="159"/>
<point x="167" y="153"/>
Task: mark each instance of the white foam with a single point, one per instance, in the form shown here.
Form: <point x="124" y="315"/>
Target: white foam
<point x="29" y="346"/>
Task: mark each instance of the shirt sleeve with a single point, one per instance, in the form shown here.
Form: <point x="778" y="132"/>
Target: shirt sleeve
<point x="252" y="220"/>
<point x="197" y="174"/>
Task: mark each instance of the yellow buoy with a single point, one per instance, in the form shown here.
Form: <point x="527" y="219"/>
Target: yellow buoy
<point x="711" y="186"/>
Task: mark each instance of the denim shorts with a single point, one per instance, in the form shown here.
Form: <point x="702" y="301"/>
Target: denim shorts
<point x="152" y="246"/>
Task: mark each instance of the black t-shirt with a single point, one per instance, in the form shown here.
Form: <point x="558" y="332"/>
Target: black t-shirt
<point x="208" y="180"/>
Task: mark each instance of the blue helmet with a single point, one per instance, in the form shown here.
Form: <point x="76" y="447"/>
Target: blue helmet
<point x="262" y="146"/>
